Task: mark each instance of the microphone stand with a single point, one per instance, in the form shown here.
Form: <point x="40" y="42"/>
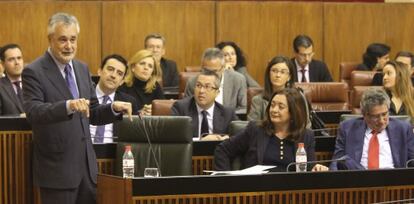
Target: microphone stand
<point x="315" y="162"/>
<point x="150" y="144"/>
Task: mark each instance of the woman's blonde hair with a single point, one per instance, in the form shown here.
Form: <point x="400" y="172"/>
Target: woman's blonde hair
<point x="403" y="86"/>
<point x="156" y="73"/>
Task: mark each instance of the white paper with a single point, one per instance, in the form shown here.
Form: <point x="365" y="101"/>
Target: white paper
<point x="258" y="169"/>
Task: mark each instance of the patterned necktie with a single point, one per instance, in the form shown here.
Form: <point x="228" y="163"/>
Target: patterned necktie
<point x="373" y="151"/>
<point x="303" y="70"/>
<point x="70" y="81"/>
<point x="100" y="130"/>
<point x="204" y="124"/>
<point x="18" y="91"/>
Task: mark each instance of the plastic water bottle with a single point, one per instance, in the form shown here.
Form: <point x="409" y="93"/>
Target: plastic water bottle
<point x="301" y="157"/>
<point x="128" y="163"/>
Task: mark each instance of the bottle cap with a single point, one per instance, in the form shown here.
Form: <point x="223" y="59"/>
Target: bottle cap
<point x="301" y="145"/>
<point x="127" y="147"/>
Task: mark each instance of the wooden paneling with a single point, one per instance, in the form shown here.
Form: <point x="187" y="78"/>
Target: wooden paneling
<point x="266" y="29"/>
<point x="349" y="29"/>
<point x="187" y="26"/>
<point x="399" y="27"/>
<point x="25" y="23"/>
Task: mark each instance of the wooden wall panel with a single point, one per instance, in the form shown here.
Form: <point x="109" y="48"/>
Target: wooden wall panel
<point x="25" y="23"/>
<point x="349" y="29"/>
<point x="187" y="26"/>
<point x="266" y="29"/>
<point x="399" y="27"/>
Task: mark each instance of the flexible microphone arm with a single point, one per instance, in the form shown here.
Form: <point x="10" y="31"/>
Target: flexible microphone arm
<point x="319" y="161"/>
<point x="408" y="162"/>
<point x="150" y="144"/>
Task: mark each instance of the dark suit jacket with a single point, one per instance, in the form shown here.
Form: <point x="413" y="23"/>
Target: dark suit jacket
<point x="62" y="147"/>
<point x="350" y="142"/>
<point x="9" y="102"/>
<point x="221" y="119"/>
<point x="169" y="73"/>
<point x="251" y="144"/>
<point x="318" y="71"/>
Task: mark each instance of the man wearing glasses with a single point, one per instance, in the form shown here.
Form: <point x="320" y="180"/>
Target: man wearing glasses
<point x="308" y="69"/>
<point x="374" y="141"/>
<point x="210" y="120"/>
<point x="232" y="84"/>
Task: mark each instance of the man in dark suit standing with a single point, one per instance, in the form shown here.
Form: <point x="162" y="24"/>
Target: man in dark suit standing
<point x="60" y="103"/>
<point x="111" y="76"/>
<point x="210" y="120"/>
<point x="308" y="69"/>
<point x="374" y="141"/>
<point x="11" y="98"/>
<point x="156" y="44"/>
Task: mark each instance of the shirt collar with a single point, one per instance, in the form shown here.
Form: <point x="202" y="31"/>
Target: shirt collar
<point x="300" y="67"/>
<point x="100" y="94"/>
<point x="210" y="110"/>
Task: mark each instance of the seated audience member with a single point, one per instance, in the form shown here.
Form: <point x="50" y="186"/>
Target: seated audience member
<point x="111" y="76"/>
<point x="234" y="58"/>
<point x="403" y="57"/>
<point x="141" y="80"/>
<point x="11" y="98"/>
<point x="274" y="140"/>
<point x="307" y="68"/>
<point x="210" y="120"/>
<point x="156" y="44"/>
<point x="232" y="91"/>
<point x="375" y="57"/>
<point x="397" y="83"/>
<point x="280" y="73"/>
<point x="374" y="141"/>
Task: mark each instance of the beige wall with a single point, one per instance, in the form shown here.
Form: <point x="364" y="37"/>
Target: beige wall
<point x="341" y="31"/>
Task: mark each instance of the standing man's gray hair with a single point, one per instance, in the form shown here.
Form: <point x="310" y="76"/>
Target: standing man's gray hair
<point x="373" y="97"/>
<point x="213" y="53"/>
<point x="64" y="18"/>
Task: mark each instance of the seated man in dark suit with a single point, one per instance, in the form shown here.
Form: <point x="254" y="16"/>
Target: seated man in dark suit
<point x="308" y="69"/>
<point x="210" y="120"/>
<point x="111" y="76"/>
<point x="11" y="98"/>
<point x="156" y="44"/>
<point x="374" y="141"/>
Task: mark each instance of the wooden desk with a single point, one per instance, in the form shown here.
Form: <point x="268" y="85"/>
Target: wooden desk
<point x="309" y="187"/>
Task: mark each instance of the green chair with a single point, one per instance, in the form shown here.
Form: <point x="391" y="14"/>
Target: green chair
<point x="172" y="144"/>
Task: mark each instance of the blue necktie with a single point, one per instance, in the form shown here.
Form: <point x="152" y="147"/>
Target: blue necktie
<point x="100" y="130"/>
<point x="70" y="81"/>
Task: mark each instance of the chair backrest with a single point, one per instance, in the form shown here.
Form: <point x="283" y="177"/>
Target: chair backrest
<point x="327" y="95"/>
<point x="251" y="92"/>
<point x="236" y="127"/>
<point x="192" y="69"/>
<point x="172" y="143"/>
<point x="361" y="78"/>
<point x="345" y="70"/>
<point x="356" y="96"/>
<point x="162" y="106"/>
<point x="183" y="78"/>
<point x="344" y="117"/>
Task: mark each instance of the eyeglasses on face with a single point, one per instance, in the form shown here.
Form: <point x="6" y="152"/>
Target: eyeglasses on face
<point x="206" y="87"/>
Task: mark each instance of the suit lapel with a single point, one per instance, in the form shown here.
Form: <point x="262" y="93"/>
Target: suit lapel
<point x="262" y="141"/>
<point x="217" y="119"/>
<point x="395" y="143"/>
<point x="194" y="116"/>
<point x="81" y="79"/>
<point x="55" y="76"/>
<point x="312" y="73"/>
<point x="358" y="140"/>
<point x="8" y="87"/>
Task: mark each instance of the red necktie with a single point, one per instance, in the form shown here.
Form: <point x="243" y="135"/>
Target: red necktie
<point x="373" y="152"/>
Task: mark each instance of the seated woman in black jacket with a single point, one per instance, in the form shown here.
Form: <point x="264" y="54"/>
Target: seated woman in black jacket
<point x="274" y="140"/>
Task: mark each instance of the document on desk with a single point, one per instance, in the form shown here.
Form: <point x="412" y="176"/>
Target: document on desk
<point x="258" y="169"/>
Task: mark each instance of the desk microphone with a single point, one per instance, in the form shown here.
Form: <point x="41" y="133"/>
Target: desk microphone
<point x="408" y="163"/>
<point x="150" y="144"/>
<point x="343" y="158"/>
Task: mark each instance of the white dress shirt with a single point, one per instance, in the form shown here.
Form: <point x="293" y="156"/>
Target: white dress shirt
<point x="385" y="154"/>
<point x="210" y="115"/>
<point x="299" y="70"/>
